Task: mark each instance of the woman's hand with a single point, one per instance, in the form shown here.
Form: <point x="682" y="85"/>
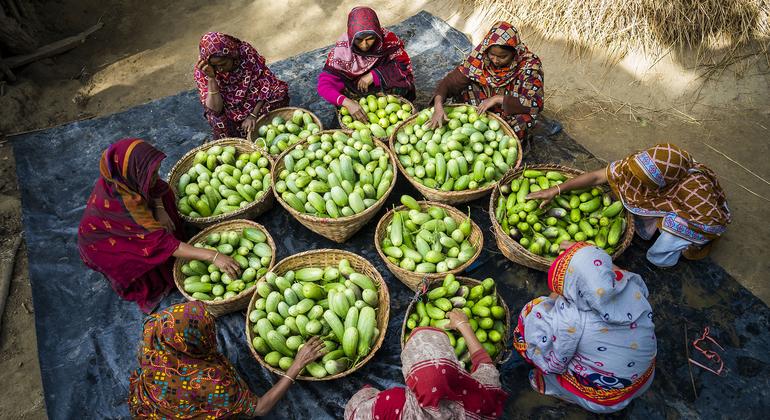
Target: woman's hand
<point x="203" y="65"/>
<point x="456" y="318"/>
<point x="164" y="219"/>
<point x="439" y="117"/>
<point x="546" y="195"/>
<point x="489" y="103"/>
<point x="364" y="82"/>
<point x="313" y="349"/>
<point x="227" y="265"/>
<point x="554" y="295"/>
<point x="355" y="110"/>
<point x="565" y="245"/>
<point x="249" y="124"/>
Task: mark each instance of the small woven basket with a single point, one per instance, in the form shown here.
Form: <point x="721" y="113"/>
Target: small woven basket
<point x="286" y="113"/>
<point x="453" y="197"/>
<point x="513" y="250"/>
<point x="342" y="228"/>
<point x="322" y="258"/>
<point x="236" y="303"/>
<point x="413" y="279"/>
<point x="250" y="211"/>
<point x="502" y="356"/>
<point x="401" y="99"/>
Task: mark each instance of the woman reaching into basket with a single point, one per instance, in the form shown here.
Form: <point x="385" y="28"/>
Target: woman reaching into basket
<point x="667" y="191"/>
<point x="130" y="229"/>
<point x="437" y="387"/>
<point x="501" y="75"/>
<point x="235" y="85"/>
<point x="182" y="375"/>
<point x="592" y="341"/>
<point x="367" y="58"/>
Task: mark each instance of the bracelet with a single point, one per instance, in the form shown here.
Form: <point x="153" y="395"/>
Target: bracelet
<point x="252" y="114"/>
<point x="287" y="377"/>
<point x="214" y="260"/>
<point x="461" y="323"/>
<point x="558" y="188"/>
<point x="214" y="93"/>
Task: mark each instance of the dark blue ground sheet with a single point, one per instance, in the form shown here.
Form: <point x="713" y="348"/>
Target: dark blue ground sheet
<point x="88" y="338"/>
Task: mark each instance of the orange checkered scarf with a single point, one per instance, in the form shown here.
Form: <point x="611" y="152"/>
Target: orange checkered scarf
<point x="478" y="68"/>
<point x="665" y="181"/>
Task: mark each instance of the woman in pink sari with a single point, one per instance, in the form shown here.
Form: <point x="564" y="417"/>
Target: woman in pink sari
<point x="235" y="85"/>
<point x="437" y="387"/>
<point x="130" y="228"/>
<point x="367" y="58"/>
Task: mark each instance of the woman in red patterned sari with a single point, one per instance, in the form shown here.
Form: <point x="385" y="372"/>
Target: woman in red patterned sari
<point x="235" y="85"/>
<point x="500" y="75"/>
<point x="437" y="387"/>
<point x="130" y="228"/>
<point x="367" y="58"/>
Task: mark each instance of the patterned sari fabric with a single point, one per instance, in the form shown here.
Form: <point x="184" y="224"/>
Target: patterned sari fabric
<point x="248" y="83"/>
<point x="666" y="182"/>
<point x="386" y="59"/>
<point x="437" y="387"/>
<point x="181" y="374"/>
<point x="595" y="344"/>
<point x="523" y="80"/>
<point x="118" y="234"/>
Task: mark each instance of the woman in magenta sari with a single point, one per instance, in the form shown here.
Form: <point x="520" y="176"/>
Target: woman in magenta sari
<point x="367" y="58"/>
<point x="130" y="228"/>
<point x="235" y="85"/>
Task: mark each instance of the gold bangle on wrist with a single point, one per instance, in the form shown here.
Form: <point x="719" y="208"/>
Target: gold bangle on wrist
<point x="558" y="188"/>
<point x="287" y="377"/>
<point x="214" y="260"/>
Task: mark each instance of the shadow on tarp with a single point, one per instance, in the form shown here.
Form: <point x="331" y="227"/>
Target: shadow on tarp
<point x="88" y="338"/>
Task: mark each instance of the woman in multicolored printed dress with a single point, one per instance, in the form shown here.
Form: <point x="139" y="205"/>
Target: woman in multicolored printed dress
<point x="181" y="374"/>
<point x="437" y="386"/>
<point x="367" y="58"/>
<point x="667" y="191"/>
<point x="592" y="341"/>
<point x="235" y="85"/>
<point x="500" y="75"/>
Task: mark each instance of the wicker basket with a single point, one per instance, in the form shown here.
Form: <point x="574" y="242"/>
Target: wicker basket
<point x="250" y="211"/>
<point x="465" y="281"/>
<point x="319" y="258"/>
<point x="400" y="98"/>
<point x="341" y="228"/>
<point x="454" y="197"/>
<point x="285" y="113"/>
<point x="236" y="303"/>
<point x="517" y="253"/>
<point x="413" y="279"/>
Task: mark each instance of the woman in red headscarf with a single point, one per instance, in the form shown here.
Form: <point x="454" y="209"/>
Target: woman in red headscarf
<point x="500" y="75"/>
<point x="235" y="85"/>
<point x="668" y="191"/>
<point x="437" y="386"/>
<point x="130" y="228"/>
<point x="367" y="58"/>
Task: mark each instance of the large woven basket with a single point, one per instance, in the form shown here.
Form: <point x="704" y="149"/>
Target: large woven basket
<point x="236" y="303"/>
<point x="465" y="281"/>
<point x="341" y="228"/>
<point x="322" y="258"/>
<point x="400" y="98"/>
<point x="453" y="197"/>
<point x="513" y="250"/>
<point x="413" y="279"/>
<point x="285" y="113"/>
<point x="250" y="211"/>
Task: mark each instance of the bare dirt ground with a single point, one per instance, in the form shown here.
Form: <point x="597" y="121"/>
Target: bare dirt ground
<point x="146" y="51"/>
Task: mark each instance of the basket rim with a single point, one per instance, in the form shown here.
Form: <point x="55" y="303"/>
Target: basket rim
<point x="174" y="173"/>
<point x="332" y="220"/>
<point x="463" y="279"/>
<point x="516" y="246"/>
<point x="265" y="119"/>
<point x="177" y="273"/>
<point x="356" y="98"/>
<point x="456" y="194"/>
<point x="383" y="306"/>
<point x="396" y="270"/>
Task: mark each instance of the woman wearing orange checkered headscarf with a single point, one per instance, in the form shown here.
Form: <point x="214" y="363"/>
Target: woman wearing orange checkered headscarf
<point x="667" y="191"/>
<point x="500" y="75"/>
